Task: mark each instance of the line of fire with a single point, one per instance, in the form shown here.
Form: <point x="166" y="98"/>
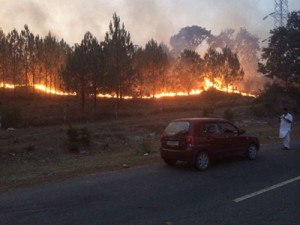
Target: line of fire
<point x="206" y="86"/>
<point x="196" y="70"/>
<point x="116" y="68"/>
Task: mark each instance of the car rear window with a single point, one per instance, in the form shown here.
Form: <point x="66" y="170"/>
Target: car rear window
<point x="177" y="127"/>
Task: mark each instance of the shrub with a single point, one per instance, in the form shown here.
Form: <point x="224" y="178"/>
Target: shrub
<point x="271" y="93"/>
<point x="275" y="98"/>
<point x="228" y="114"/>
<point x="84" y="136"/>
<point x="145" y="148"/>
<point x="10" y="116"/>
<point x="77" y="138"/>
<point x="72" y="134"/>
<point x="258" y="111"/>
<point x="73" y="147"/>
<point x="207" y="111"/>
<point x="30" y="148"/>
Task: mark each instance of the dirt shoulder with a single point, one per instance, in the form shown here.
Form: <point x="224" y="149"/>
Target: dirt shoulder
<point x="37" y="155"/>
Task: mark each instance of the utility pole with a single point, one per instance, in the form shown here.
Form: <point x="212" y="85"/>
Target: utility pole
<point x="280" y="13"/>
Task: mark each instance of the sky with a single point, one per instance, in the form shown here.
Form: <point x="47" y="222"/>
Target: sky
<point x="144" y="19"/>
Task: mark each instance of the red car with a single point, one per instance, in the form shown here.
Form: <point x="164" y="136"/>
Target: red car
<point x="198" y="140"/>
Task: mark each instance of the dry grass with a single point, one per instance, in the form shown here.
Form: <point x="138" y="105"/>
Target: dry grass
<point x="33" y="155"/>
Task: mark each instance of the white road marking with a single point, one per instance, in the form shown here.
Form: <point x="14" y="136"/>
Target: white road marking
<point x="245" y="197"/>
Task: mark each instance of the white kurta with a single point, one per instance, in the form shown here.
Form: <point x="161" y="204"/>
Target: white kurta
<point x="285" y="127"/>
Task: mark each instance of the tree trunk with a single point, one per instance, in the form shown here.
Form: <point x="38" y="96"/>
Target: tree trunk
<point x="82" y="99"/>
<point x="95" y="102"/>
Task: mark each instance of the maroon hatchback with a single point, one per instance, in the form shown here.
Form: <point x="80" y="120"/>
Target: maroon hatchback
<point x="198" y="140"/>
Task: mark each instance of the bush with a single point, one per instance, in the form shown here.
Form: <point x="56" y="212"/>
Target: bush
<point x="30" y="147"/>
<point x="72" y="134"/>
<point x="258" y="111"/>
<point x="10" y="116"/>
<point x="145" y="148"/>
<point x="271" y="93"/>
<point x="84" y="136"/>
<point x="73" y="147"/>
<point x="275" y="98"/>
<point x="207" y="111"/>
<point x="77" y="138"/>
<point x="228" y="114"/>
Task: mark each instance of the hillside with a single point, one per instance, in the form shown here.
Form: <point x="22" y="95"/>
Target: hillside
<point x="53" y="140"/>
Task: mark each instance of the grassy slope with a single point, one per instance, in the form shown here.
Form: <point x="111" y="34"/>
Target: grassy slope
<point x="39" y="154"/>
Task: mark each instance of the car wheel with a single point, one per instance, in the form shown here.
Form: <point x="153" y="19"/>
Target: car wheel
<point x="170" y="162"/>
<point x="252" y="152"/>
<point x="202" y="161"/>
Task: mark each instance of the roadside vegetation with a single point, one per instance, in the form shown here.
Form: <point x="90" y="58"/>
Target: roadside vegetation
<point x="46" y="137"/>
<point x="52" y="150"/>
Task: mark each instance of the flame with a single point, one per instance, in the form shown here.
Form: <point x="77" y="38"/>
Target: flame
<point x="2" y="85"/>
<point x="217" y="84"/>
<point x="112" y="96"/>
<point x="173" y="94"/>
<point x="51" y="91"/>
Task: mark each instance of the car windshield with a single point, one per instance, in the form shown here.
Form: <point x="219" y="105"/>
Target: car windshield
<point x="177" y="127"/>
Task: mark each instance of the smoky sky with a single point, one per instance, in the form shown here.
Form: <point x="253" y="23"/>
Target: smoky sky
<point x="144" y="19"/>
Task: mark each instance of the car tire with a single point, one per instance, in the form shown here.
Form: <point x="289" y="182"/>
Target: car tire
<point x="252" y="152"/>
<point x="170" y="162"/>
<point x="202" y="161"/>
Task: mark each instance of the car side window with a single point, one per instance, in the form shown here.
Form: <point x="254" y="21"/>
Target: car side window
<point x="211" y="128"/>
<point x="197" y="129"/>
<point x="177" y="128"/>
<point x="228" y="128"/>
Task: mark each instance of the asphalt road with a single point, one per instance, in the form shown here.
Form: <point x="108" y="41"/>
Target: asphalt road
<point x="233" y="191"/>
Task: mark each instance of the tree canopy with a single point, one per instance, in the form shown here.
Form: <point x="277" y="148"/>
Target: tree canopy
<point x="188" y="38"/>
<point x="280" y="60"/>
<point x="119" y="51"/>
<point x="189" y="69"/>
<point x="117" y="67"/>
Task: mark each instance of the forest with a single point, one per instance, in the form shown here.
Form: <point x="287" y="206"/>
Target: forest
<point x="118" y="68"/>
<point x="50" y="137"/>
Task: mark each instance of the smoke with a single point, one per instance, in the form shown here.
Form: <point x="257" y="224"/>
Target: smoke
<point x="161" y="19"/>
<point x="144" y="19"/>
<point x="148" y="19"/>
<point x="15" y="14"/>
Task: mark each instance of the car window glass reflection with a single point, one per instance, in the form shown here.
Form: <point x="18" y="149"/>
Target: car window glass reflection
<point x="211" y="128"/>
<point x="178" y="127"/>
<point x="228" y="128"/>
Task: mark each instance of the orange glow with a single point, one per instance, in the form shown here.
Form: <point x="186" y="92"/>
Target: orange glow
<point x="173" y="94"/>
<point x="6" y="85"/>
<point x="217" y="84"/>
<point x="51" y="91"/>
<point x="112" y="96"/>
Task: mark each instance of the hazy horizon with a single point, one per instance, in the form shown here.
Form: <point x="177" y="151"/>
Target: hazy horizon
<point x="144" y="19"/>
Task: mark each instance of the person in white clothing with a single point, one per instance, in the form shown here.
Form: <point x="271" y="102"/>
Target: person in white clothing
<point x="286" y="120"/>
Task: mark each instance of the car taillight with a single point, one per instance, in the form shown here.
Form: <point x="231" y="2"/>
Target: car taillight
<point x="161" y="138"/>
<point x="190" y="140"/>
